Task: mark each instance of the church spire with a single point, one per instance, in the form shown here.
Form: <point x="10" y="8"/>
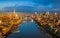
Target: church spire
<point x="15" y="14"/>
<point x="14" y="11"/>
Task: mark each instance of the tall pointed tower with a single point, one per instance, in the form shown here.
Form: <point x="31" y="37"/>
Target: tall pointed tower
<point x="14" y="12"/>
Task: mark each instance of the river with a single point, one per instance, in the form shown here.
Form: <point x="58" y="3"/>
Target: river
<point x="29" y="30"/>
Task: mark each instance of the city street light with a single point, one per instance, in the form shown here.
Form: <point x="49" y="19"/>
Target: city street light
<point x="0" y="21"/>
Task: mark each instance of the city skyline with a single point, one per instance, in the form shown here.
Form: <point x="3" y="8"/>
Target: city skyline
<point x="29" y="18"/>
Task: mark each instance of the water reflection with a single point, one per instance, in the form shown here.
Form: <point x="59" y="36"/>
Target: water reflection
<point x="29" y="30"/>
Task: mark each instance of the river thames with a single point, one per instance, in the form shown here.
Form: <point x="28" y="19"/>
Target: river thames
<point x="29" y="30"/>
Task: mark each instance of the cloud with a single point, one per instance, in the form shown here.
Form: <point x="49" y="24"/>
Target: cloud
<point x="26" y="3"/>
<point x="56" y="9"/>
<point x="33" y="3"/>
<point x="7" y="4"/>
<point x="19" y="3"/>
<point x="44" y="7"/>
